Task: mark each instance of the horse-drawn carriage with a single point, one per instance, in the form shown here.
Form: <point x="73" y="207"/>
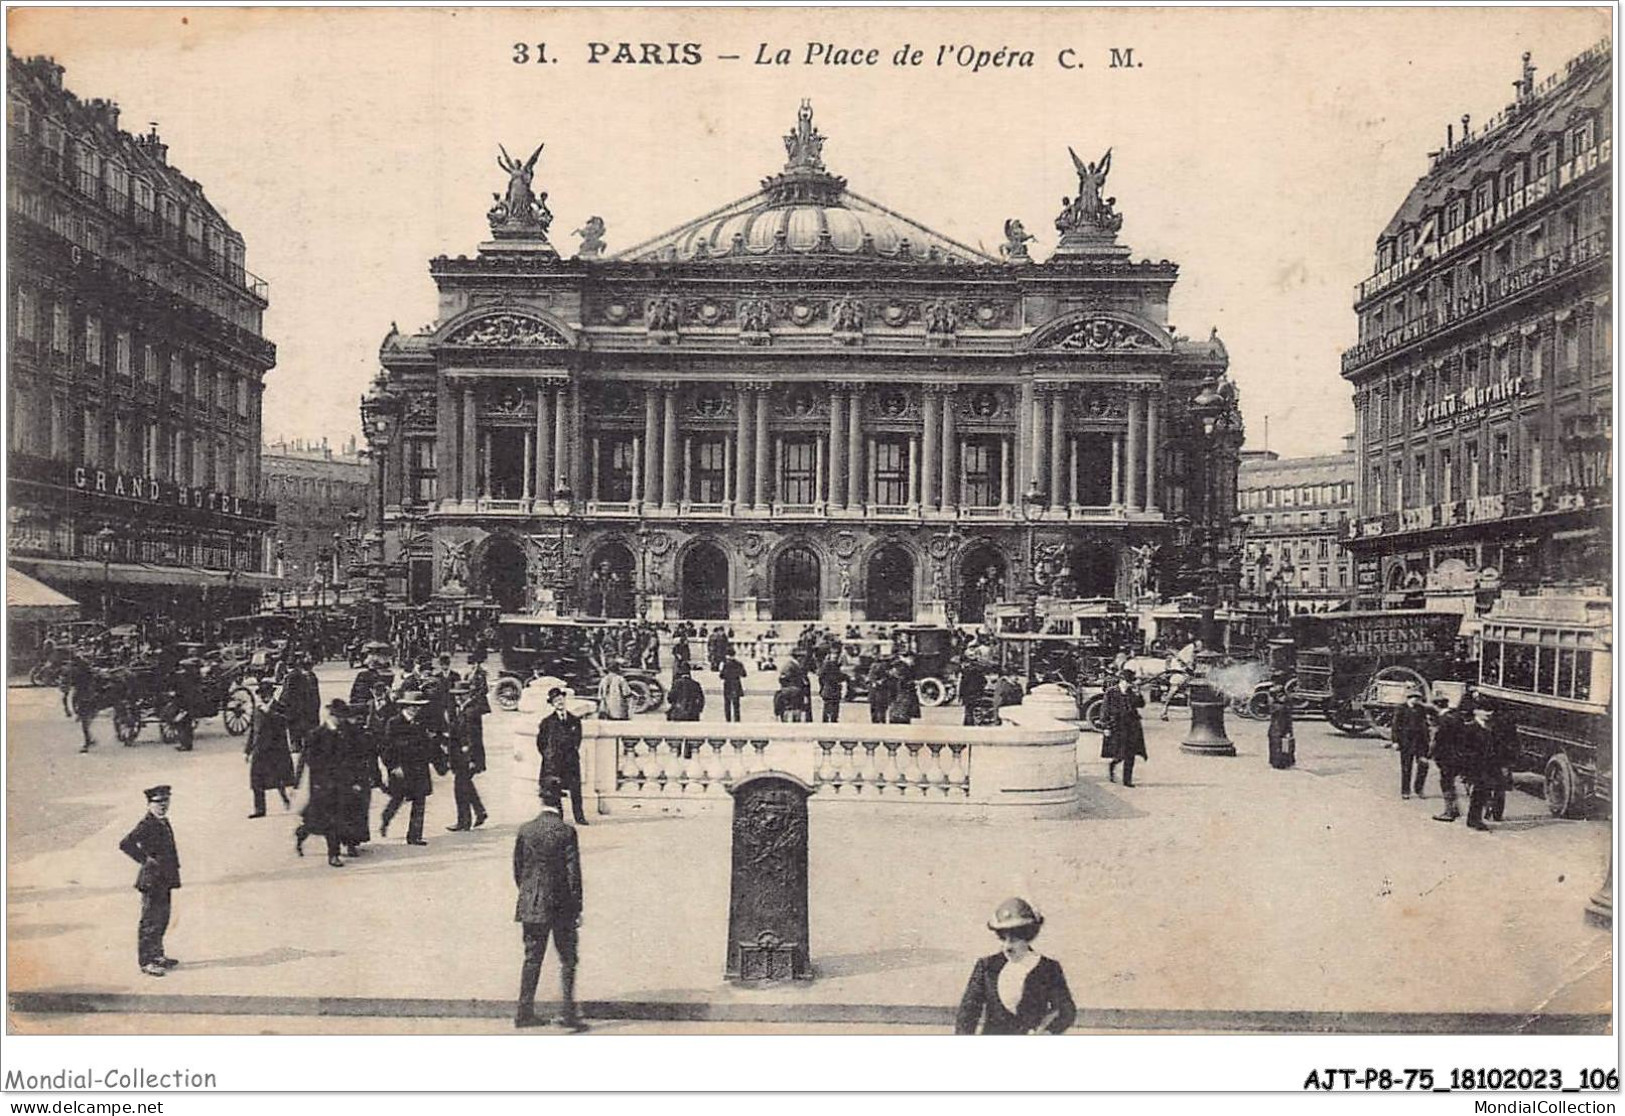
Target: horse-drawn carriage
<point x="143" y="692"/>
<point x="1358" y="667"/>
<point x="574" y="651"/>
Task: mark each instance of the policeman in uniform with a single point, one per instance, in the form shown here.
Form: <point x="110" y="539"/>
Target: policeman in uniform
<point x="151" y="844"/>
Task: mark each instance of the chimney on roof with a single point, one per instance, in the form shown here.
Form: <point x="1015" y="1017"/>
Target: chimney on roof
<point x="1466" y="126"/>
<point x="106" y="111"/>
<point x="151" y="142"/>
<point x="50" y="71"/>
<point x="1526" y="84"/>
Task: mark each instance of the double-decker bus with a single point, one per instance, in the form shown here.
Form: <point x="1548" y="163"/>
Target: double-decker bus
<point x="1548" y="662"/>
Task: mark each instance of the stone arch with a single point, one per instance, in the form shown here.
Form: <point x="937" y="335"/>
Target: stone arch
<point x="499" y="569"/>
<point x="795" y="575"/>
<point x="983" y="578"/>
<point x="450" y="332"/>
<point x="611" y="575"/>
<point x="891" y="575"/>
<point x="701" y="570"/>
<point x="1053" y="333"/>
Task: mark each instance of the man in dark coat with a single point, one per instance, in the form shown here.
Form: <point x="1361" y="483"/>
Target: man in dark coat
<point x="1452" y="752"/>
<point x="905" y="699"/>
<point x="882" y="692"/>
<point x="151" y="844"/>
<point x="365" y="678"/>
<point x="464" y="763"/>
<point x="1411" y="723"/>
<point x="1502" y="733"/>
<point x="1478" y="768"/>
<point x="1124" y="738"/>
<point x="733" y="685"/>
<point x="302" y="698"/>
<point x="407" y="753"/>
<point x="1282" y="740"/>
<point x="327" y="811"/>
<point x="547" y="871"/>
<point x="687" y="697"/>
<point x="716" y="647"/>
<point x="363" y="739"/>
<point x="558" y="739"/>
<point x="478" y="707"/>
<point x="973" y="691"/>
<point x="186" y="685"/>
<point x="270" y="766"/>
<point x="831" y="687"/>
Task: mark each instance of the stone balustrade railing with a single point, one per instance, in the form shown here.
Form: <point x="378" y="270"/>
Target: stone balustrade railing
<point x="1025" y="767"/>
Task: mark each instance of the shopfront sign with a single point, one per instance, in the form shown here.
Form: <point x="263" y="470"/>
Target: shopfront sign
<point x="1419" y="634"/>
<point x="111" y="484"/>
<point x="1472" y="399"/>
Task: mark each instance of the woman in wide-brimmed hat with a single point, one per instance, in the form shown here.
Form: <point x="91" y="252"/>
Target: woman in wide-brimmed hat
<point x="1016" y="991"/>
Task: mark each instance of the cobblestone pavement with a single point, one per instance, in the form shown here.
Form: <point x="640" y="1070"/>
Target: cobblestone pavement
<point x="1215" y="885"/>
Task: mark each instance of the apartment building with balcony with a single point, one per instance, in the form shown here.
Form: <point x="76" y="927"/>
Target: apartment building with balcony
<point x="1297" y="511"/>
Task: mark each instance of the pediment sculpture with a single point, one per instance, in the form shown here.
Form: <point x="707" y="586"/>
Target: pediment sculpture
<point x="508" y="331"/>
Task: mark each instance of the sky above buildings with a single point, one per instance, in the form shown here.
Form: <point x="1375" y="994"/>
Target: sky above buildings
<point x="1262" y="150"/>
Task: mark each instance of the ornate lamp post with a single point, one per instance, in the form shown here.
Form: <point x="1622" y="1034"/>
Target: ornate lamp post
<point x="106" y="540"/>
<point x="564" y="496"/>
<point x="1207" y="734"/>
<point x="377" y="408"/>
<point x="1032" y="506"/>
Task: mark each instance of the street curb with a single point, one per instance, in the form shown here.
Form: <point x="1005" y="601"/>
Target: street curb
<point x="1125" y="1020"/>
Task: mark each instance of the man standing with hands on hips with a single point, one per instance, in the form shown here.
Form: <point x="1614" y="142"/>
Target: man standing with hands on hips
<point x="151" y="844"/>
<point x="547" y="871"/>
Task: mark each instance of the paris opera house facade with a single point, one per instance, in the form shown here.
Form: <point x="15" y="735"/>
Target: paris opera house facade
<point x="802" y="405"/>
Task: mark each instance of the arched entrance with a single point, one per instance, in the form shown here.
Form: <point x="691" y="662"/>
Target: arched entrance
<point x="505" y="573"/>
<point x="797" y="578"/>
<point x="609" y="582"/>
<point x="703" y="590"/>
<point x="1093" y="570"/>
<point x="889" y="590"/>
<point x="982" y="581"/>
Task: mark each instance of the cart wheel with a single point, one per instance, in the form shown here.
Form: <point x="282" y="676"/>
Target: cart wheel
<point x="36" y="675"/>
<point x="1258" y="705"/>
<point x="237" y="710"/>
<point x="506" y="693"/>
<point x="1347" y="719"/>
<point x="933" y="691"/>
<point x="1093" y="716"/>
<point x="126" y="724"/>
<point x="1563" y="797"/>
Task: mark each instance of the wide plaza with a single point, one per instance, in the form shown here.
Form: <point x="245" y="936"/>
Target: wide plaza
<point x="1218" y="893"/>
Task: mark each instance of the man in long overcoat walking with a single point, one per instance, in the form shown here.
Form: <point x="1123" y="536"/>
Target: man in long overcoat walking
<point x="1124" y="739"/>
<point x="270" y="766"/>
<point x="547" y="871"/>
<point x="558" y="739"/>
<point x="328" y="812"/>
<point x="1410" y="728"/>
<point x="407" y="753"/>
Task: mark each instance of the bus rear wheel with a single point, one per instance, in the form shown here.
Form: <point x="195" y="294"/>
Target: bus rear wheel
<point x="1563" y="796"/>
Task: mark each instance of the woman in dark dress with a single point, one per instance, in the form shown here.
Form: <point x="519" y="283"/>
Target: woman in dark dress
<point x="1124" y="738"/>
<point x="1283" y="742"/>
<point x="270" y="765"/>
<point x="1016" y="991"/>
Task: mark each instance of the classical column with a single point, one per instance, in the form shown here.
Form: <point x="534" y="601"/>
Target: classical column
<point x="668" y="451"/>
<point x="818" y="472"/>
<point x="1136" y="463"/>
<point x="470" y="447"/>
<point x="1059" y="495"/>
<point x="872" y="495"/>
<point x="1072" y="490"/>
<point x="530" y="465"/>
<point x="688" y="469"/>
<point x="763" y="465"/>
<point x="728" y="473"/>
<point x="1008" y="451"/>
<point x="930" y="466"/>
<point x="776" y="491"/>
<point x="1117" y="470"/>
<point x="543" y="488"/>
<point x="1040" y="448"/>
<point x="950" y="455"/>
<point x="637" y="470"/>
<point x="914" y="474"/>
<point x="561" y="441"/>
<point x="651" y="446"/>
<point x="446" y="427"/>
<point x="854" y="451"/>
<point x="578" y="441"/>
<point x="743" y="435"/>
<point x="1023" y="466"/>
<point x="597" y="457"/>
<point x="836" y="489"/>
<point x="1153" y="406"/>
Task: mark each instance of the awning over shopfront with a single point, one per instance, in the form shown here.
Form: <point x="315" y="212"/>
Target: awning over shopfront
<point x="131" y="573"/>
<point x="27" y="599"/>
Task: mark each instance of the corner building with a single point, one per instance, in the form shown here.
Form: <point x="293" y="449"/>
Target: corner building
<point x="1483" y="381"/>
<point x="802" y="405"/>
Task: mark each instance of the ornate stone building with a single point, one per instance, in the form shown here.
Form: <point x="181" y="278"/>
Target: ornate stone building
<point x="802" y="405"/>
<point x="1297" y="512"/>
<point x="135" y="365"/>
<point x="1483" y="382"/>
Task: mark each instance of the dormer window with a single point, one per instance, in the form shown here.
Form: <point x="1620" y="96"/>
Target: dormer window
<point x="1581" y="138"/>
<point x="1482" y="198"/>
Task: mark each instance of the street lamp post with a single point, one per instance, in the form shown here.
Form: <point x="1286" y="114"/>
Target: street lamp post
<point x="1207" y="735"/>
<point x="1032" y="505"/>
<point x="563" y="495"/>
<point x="377" y="406"/>
<point x="106" y="539"/>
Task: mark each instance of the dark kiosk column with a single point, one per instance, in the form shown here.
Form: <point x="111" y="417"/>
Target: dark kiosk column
<point x="767" y="906"/>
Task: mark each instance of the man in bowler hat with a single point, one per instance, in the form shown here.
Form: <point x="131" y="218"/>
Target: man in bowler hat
<point x="151" y="844"/>
<point x="547" y="871"/>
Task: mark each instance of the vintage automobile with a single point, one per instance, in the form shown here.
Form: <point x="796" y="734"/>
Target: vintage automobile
<point x="1357" y="667"/>
<point x="532" y="647"/>
<point x="931" y="648"/>
<point x="1548" y="663"/>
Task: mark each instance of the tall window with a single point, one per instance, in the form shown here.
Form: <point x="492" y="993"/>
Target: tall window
<point x="59" y="329"/>
<point x="891" y="472"/>
<point x="615" y="464"/>
<point x="200" y="382"/>
<point x="177" y="374"/>
<point x="1500" y="464"/>
<point x="710" y="470"/>
<point x="90" y="446"/>
<point x="984" y="473"/>
<point x="1376" y="490"/>
<point x="122" y="345"/>
<point x="1537" y="467"/>
<point x="420" y="468"/>
<point x="93" y="341"/>
<point x="178" y="459"/>
<point x="1471" y="450"/>
<point x="149" y="449"/>
<point x="90" y="170"/>
<point x="1421" y="479"/>
<point x="121" y="443"/>
<point x="242" y="397"/>
<point x="1447" y="476"/>
<point x="27" y="315"/>
<point x="798" y="471"/>
<point x="144" y="204"/>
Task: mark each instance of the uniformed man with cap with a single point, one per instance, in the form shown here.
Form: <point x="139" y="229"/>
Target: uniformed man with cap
<point x="151" y="844"/>
<point x="1016" y="991"/>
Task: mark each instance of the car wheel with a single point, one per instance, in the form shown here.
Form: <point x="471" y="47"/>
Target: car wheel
<point x="1563" y="797"/>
